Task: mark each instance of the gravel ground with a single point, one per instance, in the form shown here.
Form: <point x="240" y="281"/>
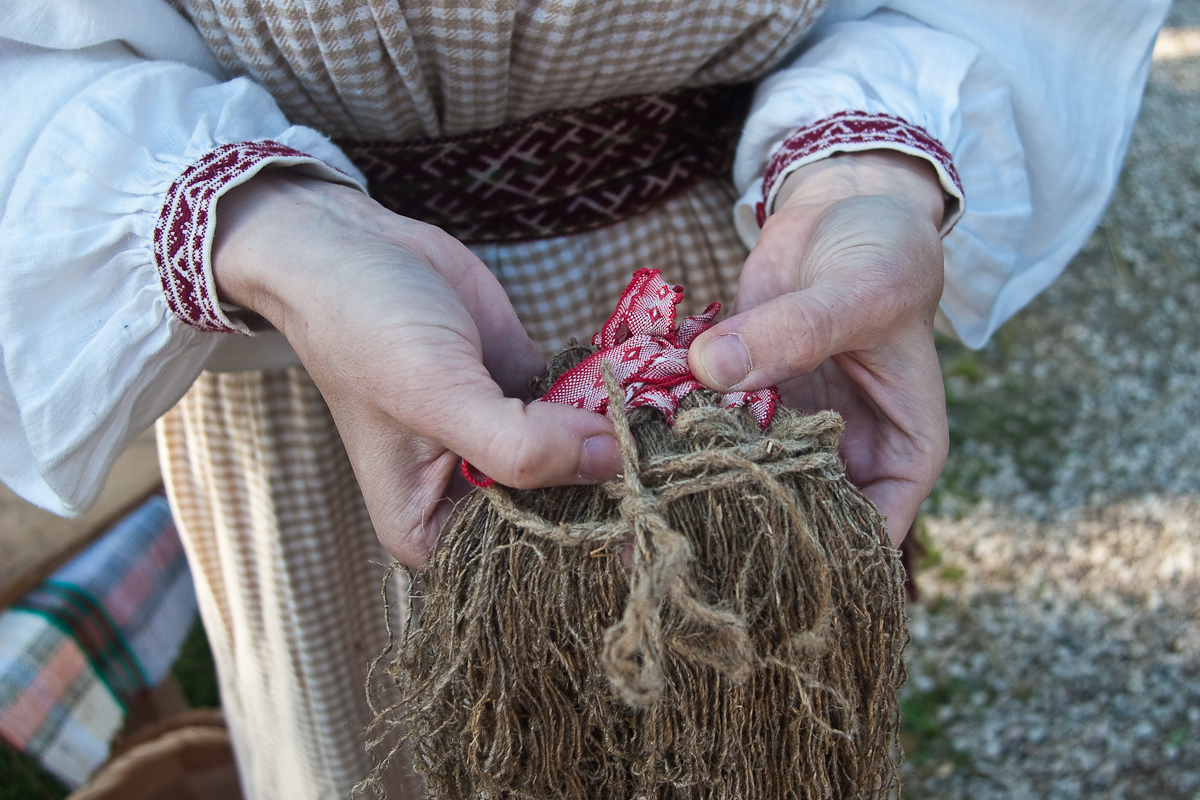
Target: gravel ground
<point x="1056" y="649"/>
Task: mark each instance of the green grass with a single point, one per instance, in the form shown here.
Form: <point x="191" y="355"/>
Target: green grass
<point x="927" y="748"/>
<point x="22" y="779"/>
<point x="195" y="672"/>
<point x="952" y="573"/>
<point x="925" y="742"/>
<point x="1004" y="414"/>
<point x="1178" y="736"/>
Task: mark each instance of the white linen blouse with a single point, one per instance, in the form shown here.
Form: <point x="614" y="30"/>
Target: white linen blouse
<point x="105" y="103"/>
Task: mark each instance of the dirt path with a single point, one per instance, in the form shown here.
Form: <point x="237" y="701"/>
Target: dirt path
<point x="1056" y="653"/>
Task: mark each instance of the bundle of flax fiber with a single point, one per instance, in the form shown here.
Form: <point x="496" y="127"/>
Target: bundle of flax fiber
<point x="754" y="650"/>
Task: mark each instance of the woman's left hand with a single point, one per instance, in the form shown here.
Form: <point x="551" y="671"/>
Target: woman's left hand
<point x="835" y="306"/>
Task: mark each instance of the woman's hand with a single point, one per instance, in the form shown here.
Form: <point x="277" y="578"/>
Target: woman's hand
<point x="836" y="305"/>
<point x="413" y="344"/>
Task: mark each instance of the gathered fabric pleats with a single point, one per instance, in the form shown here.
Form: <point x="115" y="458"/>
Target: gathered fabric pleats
<point x="288" y="572"/>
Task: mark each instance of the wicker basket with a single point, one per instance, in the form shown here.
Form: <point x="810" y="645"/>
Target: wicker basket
<point x="187" y="757"/>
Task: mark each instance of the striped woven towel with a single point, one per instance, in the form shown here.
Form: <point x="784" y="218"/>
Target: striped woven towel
<point x="75" y="651"/>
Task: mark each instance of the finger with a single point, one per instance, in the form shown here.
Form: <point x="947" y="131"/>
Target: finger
<point x="412" y="487"/>
<point x="897" y="437"/>
<point x="510" y="355"/>
<point x="898" y="502"/>
<point x="436" y="516"/>
<point x="461" y="411"/>
<point x="546" y="444"/>
<point x="788" y="336"/>
<point x="526" y="446"/>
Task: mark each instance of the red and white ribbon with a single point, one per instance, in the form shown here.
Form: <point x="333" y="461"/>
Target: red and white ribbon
<point x="649" y="356"/>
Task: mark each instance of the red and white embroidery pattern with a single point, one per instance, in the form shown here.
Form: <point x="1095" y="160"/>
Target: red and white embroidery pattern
<point x="649" y="356"/>
<point x="181" y="235"/>
<point x="853" y="130"/>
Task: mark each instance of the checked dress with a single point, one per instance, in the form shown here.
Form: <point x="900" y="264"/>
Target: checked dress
<point x="285" y="556"/>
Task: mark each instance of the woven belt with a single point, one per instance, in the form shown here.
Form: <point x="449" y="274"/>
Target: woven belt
<point x="559" y="173"/>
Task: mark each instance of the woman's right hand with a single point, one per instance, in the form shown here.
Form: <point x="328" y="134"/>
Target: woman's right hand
<point x="413" y="344"/>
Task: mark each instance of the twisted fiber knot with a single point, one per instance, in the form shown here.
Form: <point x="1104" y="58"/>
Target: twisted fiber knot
<point x="664" y="567"/>
<point x="733" y="453"/>
<point x="762" y="613"/>
<point x="580" y="533"/>
<point x="710" y="463"/>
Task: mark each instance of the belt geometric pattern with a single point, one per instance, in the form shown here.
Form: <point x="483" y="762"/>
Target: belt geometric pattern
<point x="562" y="172"/>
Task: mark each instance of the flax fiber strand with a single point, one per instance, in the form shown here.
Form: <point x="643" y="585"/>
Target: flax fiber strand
<point x="754" y="650"/>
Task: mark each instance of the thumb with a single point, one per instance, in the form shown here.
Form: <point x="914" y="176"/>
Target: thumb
<point x="786" y="337"/>
<point x="530" y="446"/>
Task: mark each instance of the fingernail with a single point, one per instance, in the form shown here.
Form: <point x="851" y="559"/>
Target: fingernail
<point x="726" y="360"/>
<point x="601" y="458"/>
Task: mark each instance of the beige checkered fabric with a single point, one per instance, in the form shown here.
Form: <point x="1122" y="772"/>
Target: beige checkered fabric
<point x="275" y="527"/>
<point x="383" y="69"/>
<point x="567" y="287"/>
<point x="287" y="570"/>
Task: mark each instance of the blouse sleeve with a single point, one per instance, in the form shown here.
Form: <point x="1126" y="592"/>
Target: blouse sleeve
<point x="119" y="136"/>
<point x="1024" y="108"/>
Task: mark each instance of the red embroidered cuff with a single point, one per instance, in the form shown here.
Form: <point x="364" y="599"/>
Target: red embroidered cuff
<point x="183" y="234"/>
<point x="851" y="131"/>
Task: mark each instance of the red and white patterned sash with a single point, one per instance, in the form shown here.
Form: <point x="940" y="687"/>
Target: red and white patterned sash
<point x="649" y="356"/>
